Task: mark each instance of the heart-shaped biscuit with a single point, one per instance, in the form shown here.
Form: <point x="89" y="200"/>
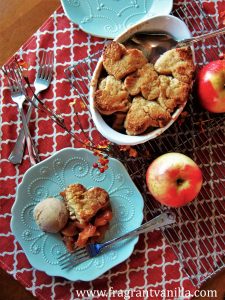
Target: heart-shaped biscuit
<point x="119" y="61"/>
<point x="111" y="96"/>
<point x="177" y="62"/>
<point x="144" y="114"/>
<point x="83" y="204"/>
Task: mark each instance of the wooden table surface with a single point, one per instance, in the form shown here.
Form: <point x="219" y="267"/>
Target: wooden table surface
<point x="19" y="19"/>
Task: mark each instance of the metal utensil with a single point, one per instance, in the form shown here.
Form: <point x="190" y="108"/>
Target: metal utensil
<point x="153" y="44"/>
<point x="17" y="95"/>
<point x="70" y="260"/>
<point x="41" y="83"/>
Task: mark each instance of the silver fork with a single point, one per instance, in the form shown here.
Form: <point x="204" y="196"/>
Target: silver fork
<point x="41" y="83"/>
<point x="17" y="94"/>
<point x="70" y="260"/>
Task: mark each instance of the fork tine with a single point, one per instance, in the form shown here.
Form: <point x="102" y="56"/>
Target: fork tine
<point x="7" y="73"/>
<point x="14" y="84"/>
<point x="52" y="59"/>
<point x="39" y="67"/>
<point x="81" y="255"/>
<point x="42" y="65"/>
<point x="4" y="71"/>
<point x="64" y="256"/>
<point x="11" y="79"/>
<point x="78" y="253"/>
<point x="46" y="67"/>
<point x="68" y="260"/>
<point x="45" y="76"/>
<point x="50" y="66"/>
<point x="74" y="263"/>
<point x="45" y="70"/>
<point x="18" y="79"/>
<point x="16" y="76"/>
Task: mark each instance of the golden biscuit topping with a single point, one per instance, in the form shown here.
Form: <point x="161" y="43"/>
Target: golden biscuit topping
<point x="119" y="61"/>
<point x="111" y="96"/>
<point x="83" y="204"/>
<point x="139" y="95"/>
<point x="172" y="92"/>
<point x="144" y="114"/>
<point x="144" y="81"/>
<point x="177" y="62"/>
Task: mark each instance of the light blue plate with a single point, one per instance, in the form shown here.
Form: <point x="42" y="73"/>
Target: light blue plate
<point x="109" y="18"/>
<point x="50" y="177"/>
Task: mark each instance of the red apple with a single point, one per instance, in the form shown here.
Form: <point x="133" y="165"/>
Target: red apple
<point x="211" y="86"/>
<point x="174" y="179"/>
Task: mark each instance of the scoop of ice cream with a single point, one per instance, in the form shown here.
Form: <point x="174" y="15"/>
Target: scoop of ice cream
<point x="51" y="215"/>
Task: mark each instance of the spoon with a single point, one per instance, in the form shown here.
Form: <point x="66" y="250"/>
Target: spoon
<point x="153" y="44"/>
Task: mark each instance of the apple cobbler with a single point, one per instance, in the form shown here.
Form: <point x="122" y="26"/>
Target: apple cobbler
<point x="136" y="96"/>
<point x="90" y="213"/>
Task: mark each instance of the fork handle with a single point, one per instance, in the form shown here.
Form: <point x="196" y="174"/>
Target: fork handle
<point x="159" y="221"/>
<point x="33" y="154"/>
<point x="16" y="155"/>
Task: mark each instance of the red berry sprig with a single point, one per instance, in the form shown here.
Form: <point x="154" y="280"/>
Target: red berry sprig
<point x="102" y="163"/>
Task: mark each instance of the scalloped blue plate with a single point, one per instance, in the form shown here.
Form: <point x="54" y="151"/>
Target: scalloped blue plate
<point x="51" y="176"/>
<point x="109" y="18"/>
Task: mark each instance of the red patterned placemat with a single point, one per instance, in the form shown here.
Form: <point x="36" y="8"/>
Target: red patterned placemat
<point x="153" y="269"/>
